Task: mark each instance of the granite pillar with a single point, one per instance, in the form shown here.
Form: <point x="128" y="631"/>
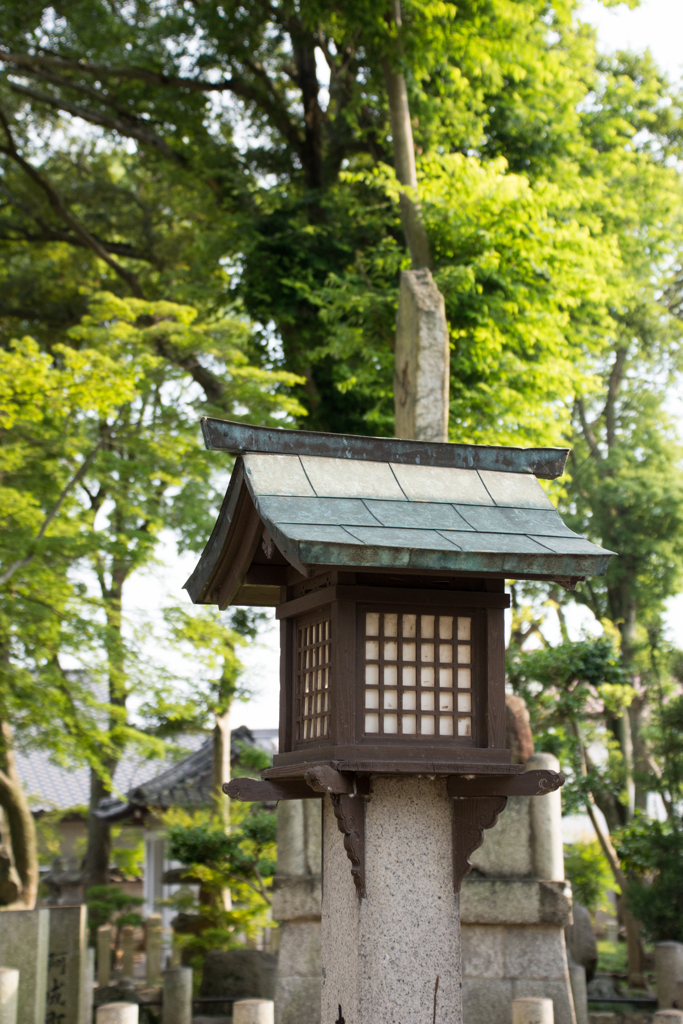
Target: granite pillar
<point x="177" y="996"/>
<point x="154" y="949"/>
<point x="669" y="970"/>
<point x="24" y="944"/>
<point x="103" y="955"/>
<point x="66" y="975"/>
<point x="296" y="904"/>
<point x="382" y="954"/>
<point x="89" y="993"/>
<point x="127" y="950"/>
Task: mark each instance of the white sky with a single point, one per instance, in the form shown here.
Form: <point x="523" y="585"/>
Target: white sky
<point x="657" y="25"/>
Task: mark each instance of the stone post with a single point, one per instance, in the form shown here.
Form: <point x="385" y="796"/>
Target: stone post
<point x="253" y="1011"/>
<point x="546" y="825"/>
<point x="103" y="955"/>
<point x="296" y="904"/>
<point x="127" y="950"/>
<point x="382" y="954"/>
<point x="88" y="986"/>
<point x="669" y="971"/>
<point x="66" y="963"/>
<point x="177" y="997"/>
<point x="154" y="946"/>
<point x="9" y="995"/>
<point x="530" y="1010"/>
<point x="24" y="944"/>
<point x="577" y="980"/>
<point x="422" y="360"/>
<point x="118" y="1013"/>
<point x="668" y="1017"/>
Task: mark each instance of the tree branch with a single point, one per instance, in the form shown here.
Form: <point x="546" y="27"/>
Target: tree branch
<point x="616" y="379"/>
<point x="587" y="429"/>
<point x="64" y="213"/>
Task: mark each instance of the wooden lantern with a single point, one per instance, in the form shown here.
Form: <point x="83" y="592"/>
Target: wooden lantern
<point x="386" y="561"/>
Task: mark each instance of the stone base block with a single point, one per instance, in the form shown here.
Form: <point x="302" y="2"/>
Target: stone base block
<point x="299" y="976"/>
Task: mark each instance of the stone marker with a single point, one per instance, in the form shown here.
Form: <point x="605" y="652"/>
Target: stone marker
<point x="296" y="903"/>
<point x="154" y="948"/>
<point x="66" y="965"/>
<point x="104" y="955"/>
<point x="577" y="979"/>
<point x="409" y="917"/>
<point x="612" y="931"/>
<point x="532" y="1010"/>
<point x="127" y="950"/>
<point x="580" y="939"/>
<point x="24" y="944"/>
<point x="546" y="824"/>
<point x="88" y="986"/>
<point x="670" y="1015"/>
<point x="253" y="1011"/>
<point x="421" y="377"/>
<point x="9" y="995"/>
<point x="669" y="971"/>
<point x="118" y="1013"/>
<point x="177" y="997"/>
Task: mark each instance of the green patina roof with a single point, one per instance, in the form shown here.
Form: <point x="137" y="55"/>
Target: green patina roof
<point x="395" y="512"/>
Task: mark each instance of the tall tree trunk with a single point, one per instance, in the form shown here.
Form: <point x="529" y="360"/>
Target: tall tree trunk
<point x="98" y="853"/>
<point x="221" y="765"/>
<point x="22" y="848"/>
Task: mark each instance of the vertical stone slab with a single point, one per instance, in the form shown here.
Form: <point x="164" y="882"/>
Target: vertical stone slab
<point x="66" y="965"/>
<point x="127" y="950"/>
<point x="154" y="949"/>
<point x="422" y="360"/>
<point x="382" y="954"/>
<point x="89" y="990"/>
<point x="296" y="904"/>
<point x="669" y="970"/>
<point x="9" y="995"/>
<point x="177" y="996"/>
<point x="103" y="955"/>
<point x="546" y="824"/>
<point x="24" y="944"/>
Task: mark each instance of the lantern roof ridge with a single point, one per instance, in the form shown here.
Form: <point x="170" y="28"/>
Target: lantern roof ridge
<point x="312" y="513"/>
<point x="241" y="438"/>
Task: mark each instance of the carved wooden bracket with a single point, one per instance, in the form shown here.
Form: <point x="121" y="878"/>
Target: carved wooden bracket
<point x="533" y="783"/>
<point x="471" y="815"/>
<point x="268" y="792"/>
<point x="349" y="794"/>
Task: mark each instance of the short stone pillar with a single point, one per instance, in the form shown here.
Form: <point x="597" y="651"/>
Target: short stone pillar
<point x="296" y="904"/>
<point x="66" y="964"/>
<point x="104" y="955"/>
<point x="127" y="950"/>
<point x="9" y="995"/>
<point x="118" y="1013"/>
<point x="177" y="997"/>
<point x="389" y="955"/>
<point x="253" y="1011"/>
<point x="88" y="986"/>
<point x="668" y="1017"/>
<point x="531" y="1010"/>
<point x="154" y="949"/>
<point x="577" y="980"/>
<point x="24" y="945"/>
<point x="669" y="971"/>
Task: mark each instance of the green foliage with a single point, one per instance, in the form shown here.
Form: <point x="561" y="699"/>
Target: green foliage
<point x="108" y="904"/>
<point x="652" y="854"/>
<point x="587" y="869"/>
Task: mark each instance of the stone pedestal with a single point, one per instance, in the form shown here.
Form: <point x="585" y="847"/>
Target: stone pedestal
<point x="296" y="904"/>
<point x="253" y="1011"/>
<point x="67" y="965"/>
<point x="127" y="950"/>
<point x="669" y="970"/>
<point x="177" y="996"/>
<point x="24" y="943"/>
<point x="9" y="995"/>
<point x="383" y="954"/>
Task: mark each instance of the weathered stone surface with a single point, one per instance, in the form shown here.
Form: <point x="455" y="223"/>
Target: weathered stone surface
<point x="177" y="996"/>
<point x="253" y="1011"/>
<point x="299" y="973"/>
<point x="668" y="1017"/>
<point x="532" y="1011"/>
<point x="421" y="374"/>
<point x="24" y="945"/>
<point x="118" y="1013"/>
<point x="103" y="955"/>
<point x="580" y="939"/>
<point x="514" y="902"/>
<point x="577" y="980"/>
<point x="154" y="949"/>
<point x="9" y="995"/>
<point x="89" y="986"/>
<point x="669" y="969"/>
<point x="506" y="850"/>
<point x="546" y="824"/>
<point x="295" y="898"/>
<point x="518" y="738"/>
<point x="239" y="974"/>
<point x="66" y="978"/>
<point x="382" y="954"/>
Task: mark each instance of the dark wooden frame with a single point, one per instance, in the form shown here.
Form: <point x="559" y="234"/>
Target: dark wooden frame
<point x="348" y="748"/>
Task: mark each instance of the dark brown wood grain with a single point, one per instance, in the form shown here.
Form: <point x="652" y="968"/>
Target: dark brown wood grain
<point x="393" y="595"/>
<point x="471" y="816"/>
<point x="266" y="792"/>
<point x="532" y="783"/>
<point x="244" y="538"/>
<point x="495" y="648"/>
